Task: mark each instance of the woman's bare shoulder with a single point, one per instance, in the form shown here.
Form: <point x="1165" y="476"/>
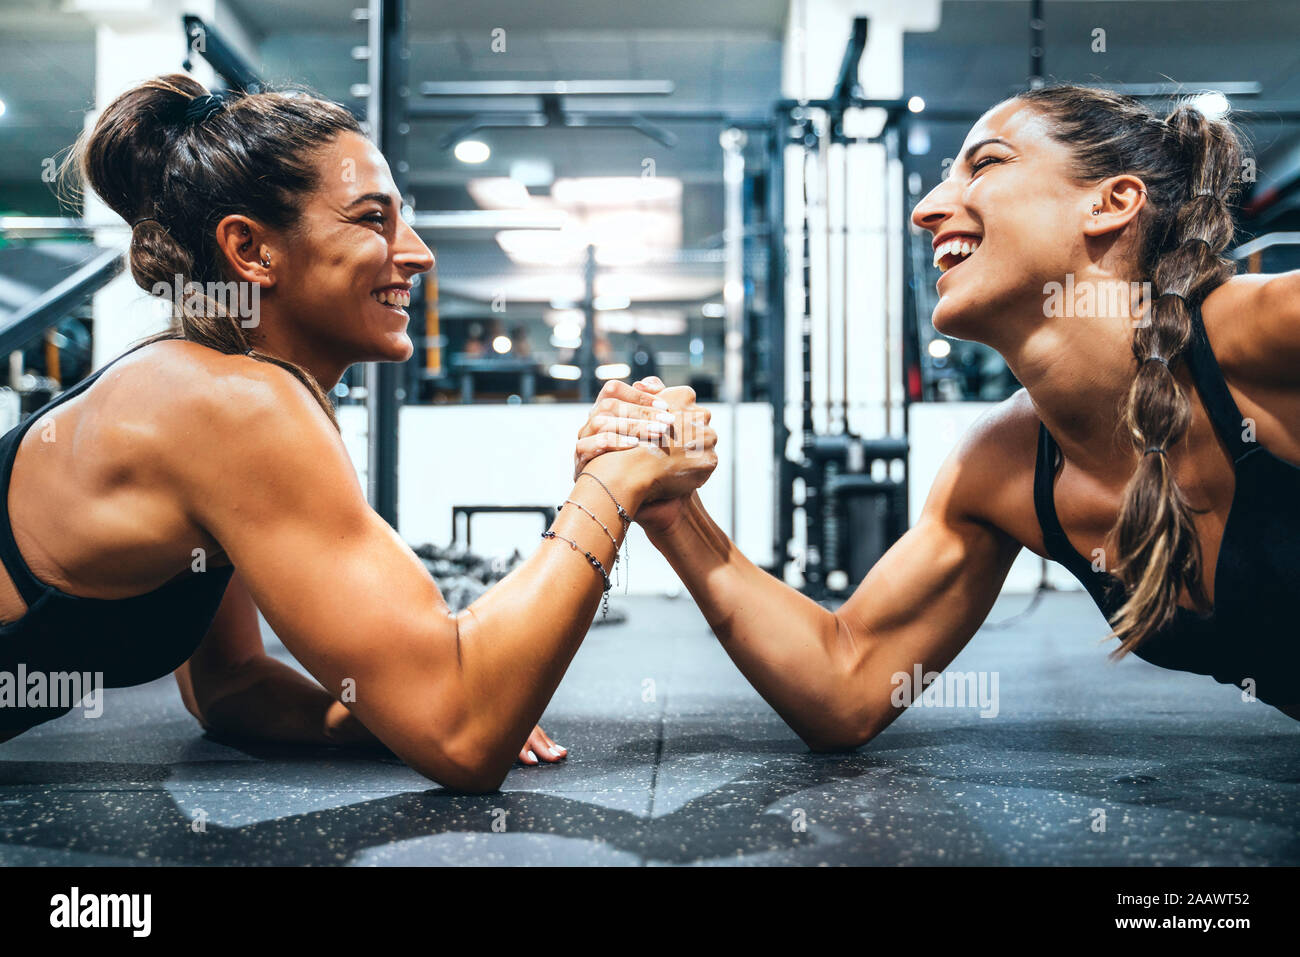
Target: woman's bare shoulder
<point x="1253" y="323"/>
<point x="988" y="475"/>
<point x="180" y="401"/>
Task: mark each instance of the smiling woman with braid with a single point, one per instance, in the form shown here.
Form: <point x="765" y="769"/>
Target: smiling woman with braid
<point x="1161" y="471"/>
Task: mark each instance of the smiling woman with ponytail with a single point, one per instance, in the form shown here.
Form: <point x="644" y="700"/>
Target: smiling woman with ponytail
<point x="149" y="513"/>
<point x="173" y="160"/>
<point x="1175" y="464"/>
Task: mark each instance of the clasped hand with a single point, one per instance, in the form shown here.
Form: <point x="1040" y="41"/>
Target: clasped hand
<point x="663" y="438"/>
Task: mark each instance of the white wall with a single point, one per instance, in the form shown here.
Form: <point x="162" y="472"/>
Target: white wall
<point x="935" y="428"/>
<point x="515" y="455"/>
<point x="133" y="41"/>
<point x="523" y="455"/>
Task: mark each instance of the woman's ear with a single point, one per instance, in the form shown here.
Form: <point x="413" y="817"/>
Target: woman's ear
<point x="246" y="247"/>
<point x="1115" y="203"/>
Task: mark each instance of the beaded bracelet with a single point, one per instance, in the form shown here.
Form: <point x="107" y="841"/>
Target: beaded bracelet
<point x="623" y="517"/>
<point x="612" y="539"/>
<point x="595" y="562"/>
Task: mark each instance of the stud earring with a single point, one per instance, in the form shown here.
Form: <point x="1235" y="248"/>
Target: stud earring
<point x="266" y="260"/>
<point x="1095" y="210"/>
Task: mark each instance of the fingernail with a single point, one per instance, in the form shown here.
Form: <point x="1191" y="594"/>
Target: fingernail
<point x="659" y="404"/>
<point x="555" y="752"/>
<point x="654" y="425"/>
<point x="627" y="441"/>
<point x="531" y="755"/>
<point x="666" y="418"/>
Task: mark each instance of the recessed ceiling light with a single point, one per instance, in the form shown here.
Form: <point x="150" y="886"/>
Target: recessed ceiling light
<point x="1212" y="104"/>
<point x="472" y="151"/>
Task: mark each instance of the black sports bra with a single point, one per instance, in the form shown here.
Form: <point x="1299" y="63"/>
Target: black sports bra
<point x="129" y="640"/>
<point x="1251" y="633"/>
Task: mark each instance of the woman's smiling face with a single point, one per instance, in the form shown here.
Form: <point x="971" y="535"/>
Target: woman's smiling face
<point x="1009" y="195"/>
<point x="352" y="260"/>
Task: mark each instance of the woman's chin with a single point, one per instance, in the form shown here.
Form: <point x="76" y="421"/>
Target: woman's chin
<point x="392" y="347"/>
<point x="961" y="317"/>
<point x="397" y="348"/>
<point x="947" y="319"/>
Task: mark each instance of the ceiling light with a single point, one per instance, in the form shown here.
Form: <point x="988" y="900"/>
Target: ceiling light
<point x="1212" y="104"/>
<point x="542" y="247"/>
<point x="614" y="370"/>
<point x="472" y="151"/>
<point x="617" y="190"/>
<point x="498" y="192"/>
<point x="533" y="172"/>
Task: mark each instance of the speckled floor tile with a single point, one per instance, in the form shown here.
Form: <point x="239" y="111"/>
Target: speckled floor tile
<point x="675" y="760"/>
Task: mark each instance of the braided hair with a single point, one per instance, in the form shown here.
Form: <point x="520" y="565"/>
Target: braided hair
<point x="1190" y="165"/>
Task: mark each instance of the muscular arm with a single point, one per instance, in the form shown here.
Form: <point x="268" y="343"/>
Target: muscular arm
<point x="451" y="694"/>
<point x="829" y="674"/>
<point x="234" y="688"/>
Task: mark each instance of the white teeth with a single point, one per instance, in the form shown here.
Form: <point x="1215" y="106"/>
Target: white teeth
<point x="955" y="247"/>
<point x="392" y="297"/>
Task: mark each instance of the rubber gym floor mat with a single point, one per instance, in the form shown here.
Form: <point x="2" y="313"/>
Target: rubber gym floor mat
<point x="1056" y="757"/>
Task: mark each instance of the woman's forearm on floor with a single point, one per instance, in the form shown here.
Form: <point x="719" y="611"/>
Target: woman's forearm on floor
<point x="785" y="644"/>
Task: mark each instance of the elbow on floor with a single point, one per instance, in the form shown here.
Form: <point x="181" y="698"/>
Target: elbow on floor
<point x="839" y="736"/>
<point x="462" y="766"/>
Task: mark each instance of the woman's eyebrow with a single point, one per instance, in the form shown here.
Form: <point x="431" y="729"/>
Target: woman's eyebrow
<point x="974" y="147"/>
<point x="383" y="199"/>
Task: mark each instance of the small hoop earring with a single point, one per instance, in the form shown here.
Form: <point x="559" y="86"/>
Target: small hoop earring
<point x="266" y="260"/>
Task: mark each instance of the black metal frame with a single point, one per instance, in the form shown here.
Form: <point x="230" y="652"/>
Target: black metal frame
<point x="547" y="512"/>
<point x="389" y="377"/>
<point x="834" y="468"/>
<point x="51" y="306"/>
<point x="221" y="56"/>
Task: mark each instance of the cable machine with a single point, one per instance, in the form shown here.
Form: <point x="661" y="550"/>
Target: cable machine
<point x="854" y="487"/>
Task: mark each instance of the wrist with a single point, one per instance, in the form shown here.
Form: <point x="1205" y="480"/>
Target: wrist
<point x="343" y="730"/>
<point x="624" y="487"/>
<point x="677" y="525"/>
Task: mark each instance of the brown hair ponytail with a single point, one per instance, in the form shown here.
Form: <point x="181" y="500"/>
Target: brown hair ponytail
<point x="1190" y="165"/>
<point x="174" y="174"/>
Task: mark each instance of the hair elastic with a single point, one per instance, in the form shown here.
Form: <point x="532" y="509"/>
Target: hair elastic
<point x="1178" y="294"/>
<point x="1155" y="448"/>
<point x="1161" y="359"/>
<point x="202" y="107"/>
<point x="1200" y="239"/>
<point x="146" y="219"/>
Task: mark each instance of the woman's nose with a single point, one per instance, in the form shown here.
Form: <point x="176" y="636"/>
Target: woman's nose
<point x="414" y="254"/>
<point x="930" y="211"/>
